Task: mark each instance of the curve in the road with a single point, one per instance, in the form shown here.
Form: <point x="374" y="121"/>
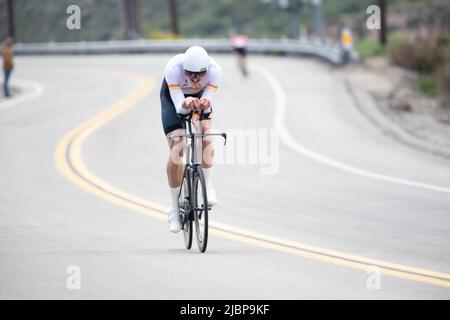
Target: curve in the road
<point x="68" y="157"/>
<point x="33" y="90"/>
<point x="289" y="141"/>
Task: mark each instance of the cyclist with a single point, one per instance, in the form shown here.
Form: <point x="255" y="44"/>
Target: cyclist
<point x="239" y="45"/>
<point x="190" y="84"/>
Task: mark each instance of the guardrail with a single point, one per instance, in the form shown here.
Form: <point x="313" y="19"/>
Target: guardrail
<point x="330" y="52"/>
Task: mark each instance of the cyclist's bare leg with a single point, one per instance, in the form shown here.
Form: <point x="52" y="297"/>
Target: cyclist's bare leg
<point x="208" y="149"/>
<point x="175" y="164"/>
<point x="175" y="176"/>
<point x="207" y="164"/>
<point x="242" y="64"/>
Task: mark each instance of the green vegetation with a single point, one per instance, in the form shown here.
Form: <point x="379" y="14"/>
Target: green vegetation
<point x="444" y="81"/>
<point x="427" y="84"/>
<point x="429" y="57"/>
<point x="42" y="21"/>
<point x="371" y="47"/>
<point x="368" y="48"/>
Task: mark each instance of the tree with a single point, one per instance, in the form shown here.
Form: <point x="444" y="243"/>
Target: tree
<point x="383" y="30"/>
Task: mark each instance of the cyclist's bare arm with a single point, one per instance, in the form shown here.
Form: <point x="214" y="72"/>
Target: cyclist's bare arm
<point x="215" y="76"/>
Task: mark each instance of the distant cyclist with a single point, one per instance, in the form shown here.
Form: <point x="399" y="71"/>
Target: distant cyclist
<point x="190" y="83"/>
<point x="239" y="45"/>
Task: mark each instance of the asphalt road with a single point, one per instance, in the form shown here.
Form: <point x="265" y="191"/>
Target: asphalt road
<point x="335" y="210"/>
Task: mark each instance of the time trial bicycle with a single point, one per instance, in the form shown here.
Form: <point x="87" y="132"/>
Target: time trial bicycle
<point x="193" y="198"/>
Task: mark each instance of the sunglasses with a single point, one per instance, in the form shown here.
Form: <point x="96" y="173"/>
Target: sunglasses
<point x="191" y="74"/>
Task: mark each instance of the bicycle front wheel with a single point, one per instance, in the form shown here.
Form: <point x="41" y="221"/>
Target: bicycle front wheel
<point x="200" y="210"/>
<point x="185" y="210"/>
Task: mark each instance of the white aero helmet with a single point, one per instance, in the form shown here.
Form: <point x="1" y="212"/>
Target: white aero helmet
<point x="196" y="59"/>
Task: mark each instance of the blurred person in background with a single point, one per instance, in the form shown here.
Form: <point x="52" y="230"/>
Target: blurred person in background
<point x="8" y="64"/>
<point x="239" y="45"/>
<point x="346" y="44"/>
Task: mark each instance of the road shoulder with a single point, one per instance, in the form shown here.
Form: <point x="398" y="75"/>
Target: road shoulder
<point x="383" y="94"/>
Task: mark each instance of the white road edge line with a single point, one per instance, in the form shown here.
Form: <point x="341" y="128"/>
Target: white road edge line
<point x="35" y="90"/>
<point x="289" y="141"/>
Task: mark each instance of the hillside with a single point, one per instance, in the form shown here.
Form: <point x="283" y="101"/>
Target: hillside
<point x="41" y="21"/>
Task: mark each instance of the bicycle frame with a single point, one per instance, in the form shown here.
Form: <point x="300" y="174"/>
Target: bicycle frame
<point x="192" y="154"/>
<point x="193" y="157"/>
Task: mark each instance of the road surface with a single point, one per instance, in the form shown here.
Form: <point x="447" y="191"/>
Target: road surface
<point x="334" y="210"/>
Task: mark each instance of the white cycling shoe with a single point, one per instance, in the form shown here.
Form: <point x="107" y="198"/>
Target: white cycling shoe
<point x="212" y="197"/>
<point x="174" y="220"/>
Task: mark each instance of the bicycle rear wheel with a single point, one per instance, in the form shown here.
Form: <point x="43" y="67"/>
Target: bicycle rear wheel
<point x="200" y="210"/>
<point x="185" y="211"/>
